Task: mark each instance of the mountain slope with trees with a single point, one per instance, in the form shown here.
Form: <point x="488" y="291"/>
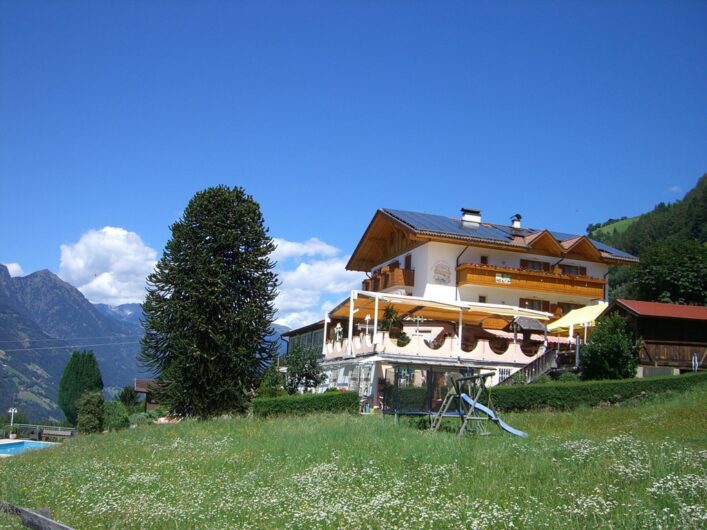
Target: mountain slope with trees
<point x="671" y="241"/>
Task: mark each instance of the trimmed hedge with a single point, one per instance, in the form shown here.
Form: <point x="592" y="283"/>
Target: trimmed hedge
<point x="306" y="404"/>
<point x="565" y="396"/>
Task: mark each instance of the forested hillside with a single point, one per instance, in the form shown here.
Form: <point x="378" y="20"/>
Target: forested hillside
<point x="671" y="241"/>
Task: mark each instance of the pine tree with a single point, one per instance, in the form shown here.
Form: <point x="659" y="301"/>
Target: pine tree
<point x="81" y="375"/>
<point x="209" y="306"/>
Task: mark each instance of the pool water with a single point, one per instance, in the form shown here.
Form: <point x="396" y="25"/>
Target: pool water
<point x="16" y="448"/>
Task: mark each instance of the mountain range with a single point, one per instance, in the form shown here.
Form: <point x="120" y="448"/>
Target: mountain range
<point x="42" y="320"/>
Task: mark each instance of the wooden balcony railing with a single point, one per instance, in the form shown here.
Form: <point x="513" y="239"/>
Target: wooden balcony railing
<point x="527" y="280"/>
<point x="389" y="278"/>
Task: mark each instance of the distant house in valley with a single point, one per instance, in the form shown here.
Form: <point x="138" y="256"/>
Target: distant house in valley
<point x="146" y="387"/>
<point x="674" y="336"/>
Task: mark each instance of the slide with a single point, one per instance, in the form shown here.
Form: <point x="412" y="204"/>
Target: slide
<point x="491" y="414"/>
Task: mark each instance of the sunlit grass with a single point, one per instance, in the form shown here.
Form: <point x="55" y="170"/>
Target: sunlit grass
<point x="635" y="466"/>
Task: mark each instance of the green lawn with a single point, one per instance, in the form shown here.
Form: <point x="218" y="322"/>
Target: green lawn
<point x="634" y="466"/>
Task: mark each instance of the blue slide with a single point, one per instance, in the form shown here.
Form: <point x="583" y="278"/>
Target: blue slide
<point x="491" y="414"/>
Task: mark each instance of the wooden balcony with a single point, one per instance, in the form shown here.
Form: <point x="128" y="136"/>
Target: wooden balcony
<point x="387" y="278"/>
<point x="527" y="280"/>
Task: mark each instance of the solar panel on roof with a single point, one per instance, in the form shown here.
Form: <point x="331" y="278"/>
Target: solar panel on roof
<point x="445" y="225"/>
<point x="427" y="222"/>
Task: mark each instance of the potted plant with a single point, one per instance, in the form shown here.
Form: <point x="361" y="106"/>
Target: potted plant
<point x="391" y="322"/>
<point x="13" y="433"/>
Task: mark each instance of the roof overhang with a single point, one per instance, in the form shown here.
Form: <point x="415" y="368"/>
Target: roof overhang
<point x="364" y="304"/>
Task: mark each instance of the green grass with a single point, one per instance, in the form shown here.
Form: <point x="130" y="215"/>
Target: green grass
<point x="619" y="226"/>
<point x="641" y="465"/>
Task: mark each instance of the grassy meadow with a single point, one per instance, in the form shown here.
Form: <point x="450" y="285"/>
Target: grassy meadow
<point x="641" y="465"/>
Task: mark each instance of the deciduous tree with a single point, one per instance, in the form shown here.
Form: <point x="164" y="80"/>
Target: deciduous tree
<point x="612" y="352"/>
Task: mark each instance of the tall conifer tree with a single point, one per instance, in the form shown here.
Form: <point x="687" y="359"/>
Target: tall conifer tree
<point x="81" y="375"/>
<point x="209" y="306"/>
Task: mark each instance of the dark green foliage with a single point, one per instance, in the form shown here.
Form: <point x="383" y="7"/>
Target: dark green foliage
<point x="209" y="306"/>
<point x="612" y="352"/>
<point x="391" y="321"/>
<point x="519" y="378"/>
<point x="81" y="375"/>
<point x="20" y="417"/>
<point x="303" y="369"/>
<point x="568" y="377"/>
<point x="565" y="396"/>
<point x="541" y="379"/>
<point x="115" y="416"/>
<point x="138" y="419"/>
<point x="128" y="397"/>
<point x="91" y="413"/>
<point x="403" y="339"/>
<point x="674" y="272"/>
<point x="307" y="403"/>
<point x="272" y="383"/>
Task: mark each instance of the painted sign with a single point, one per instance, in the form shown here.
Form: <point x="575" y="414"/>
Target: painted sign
<point x="442" y="273"/>
<point x="503" y="278"/>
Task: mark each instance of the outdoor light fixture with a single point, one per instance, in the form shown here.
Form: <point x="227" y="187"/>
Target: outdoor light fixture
<point x="12" y="412"/>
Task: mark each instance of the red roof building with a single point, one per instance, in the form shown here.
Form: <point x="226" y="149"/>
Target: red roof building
<point x="674" y="337"/>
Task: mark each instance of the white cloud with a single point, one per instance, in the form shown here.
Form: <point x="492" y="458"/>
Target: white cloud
<point x="14" y="269"/>
<point x="294" y="249"/>
<point x="108" y="265"/>
<point x="675" y="189"/>
<point x="309" y="288"/>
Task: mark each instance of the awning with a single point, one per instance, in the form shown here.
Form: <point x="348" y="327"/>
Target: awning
<point x="364" y="304"/>
<point x="582" y="317"/>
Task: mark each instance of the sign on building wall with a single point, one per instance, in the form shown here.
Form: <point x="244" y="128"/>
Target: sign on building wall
<point x="442" y="273"/>
<point x="503" y="278"/>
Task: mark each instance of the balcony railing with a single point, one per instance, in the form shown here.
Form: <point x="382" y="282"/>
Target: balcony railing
<point x="528" y="280"/>
<point x="386" y="279"/>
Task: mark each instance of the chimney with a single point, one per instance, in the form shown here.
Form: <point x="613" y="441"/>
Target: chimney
<point x="515" y="220"/>
<point x="471" y="216"/>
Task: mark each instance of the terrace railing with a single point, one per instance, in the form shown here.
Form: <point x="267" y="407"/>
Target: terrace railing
<point x="541" y="365"/>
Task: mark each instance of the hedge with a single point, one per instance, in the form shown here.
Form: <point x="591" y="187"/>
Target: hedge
<point x="565" y="396"/>
<point x="306" y="404"/>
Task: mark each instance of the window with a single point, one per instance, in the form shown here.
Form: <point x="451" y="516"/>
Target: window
<point x="482" y="299"/>
<point x="566" y="308"/>
<point x="408" y="261"/>
<point x="536" y="305"/>
<point x="573" y="270"/>
<point x="532" y="265"/>
<point x="484" y="260"/>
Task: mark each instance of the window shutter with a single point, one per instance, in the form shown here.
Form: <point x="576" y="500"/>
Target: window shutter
<point x="546" y="306"/>
<point x="546" y="266"/>
<point x="524" y="264"/>
<point x="583" y="271"/>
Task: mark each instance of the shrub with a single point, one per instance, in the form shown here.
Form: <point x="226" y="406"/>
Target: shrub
<point x="569" y="395"/>
<point x="306" y="404"/>
<point x="115" y="416"/>
<point x="541" y="379"/>
<point x="519" y="378"/>
<point x="612" y="352"/>
<point x="271" y="385"/>
<point x="80" y="375"/>
<point x="303" y="369"/>
<point x="138" y="419"/>
<point x="90" y="413"/>
<point x="568" y="377"/>
<point x="331" y="389"/>
<point x="128" y="397"/>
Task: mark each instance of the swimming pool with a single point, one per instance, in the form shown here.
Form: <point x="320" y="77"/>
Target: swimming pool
<point x="16" y="448"/>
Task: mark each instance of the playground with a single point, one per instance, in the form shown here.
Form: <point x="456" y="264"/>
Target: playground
<point x="438" y="393"/>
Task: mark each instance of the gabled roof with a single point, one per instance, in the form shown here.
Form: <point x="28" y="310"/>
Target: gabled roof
<point x="661" y="310"/>
<point x="439" y="227"/>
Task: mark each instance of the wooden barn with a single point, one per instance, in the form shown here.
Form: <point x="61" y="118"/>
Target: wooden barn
<point x="674" y="336"/>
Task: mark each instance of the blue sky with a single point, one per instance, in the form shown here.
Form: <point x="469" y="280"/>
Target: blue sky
<point x="112" y="114"/>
